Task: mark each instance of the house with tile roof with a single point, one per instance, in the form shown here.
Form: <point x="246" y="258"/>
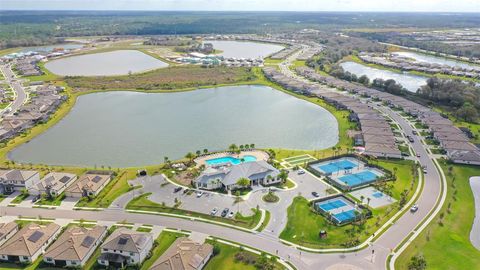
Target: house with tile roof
<point x="53" y="184"/>
<point x="184" y="254"/>
<point x="28" y="243"/>
<point x="74" y="246"/>
<point x="125" y="247"/>
<point x="89" y="184"/>
<point x="17" y="180"/>
<point x="7" y="230"/>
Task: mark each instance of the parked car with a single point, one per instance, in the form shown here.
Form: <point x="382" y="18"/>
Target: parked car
<point x="315" y="194"/>
<point x="36" y="198"/>
<point x="214" y="211"/>
<point x="414" y="208"/>
<point x="414" y="132"/>
<point x="225" y="212"/>
<point x="231" y="214"/>
<point x="177" y="189"/>
<point x="425" y="170"/>
<point x="199" y="194"/>
<point x="300" y="172"/>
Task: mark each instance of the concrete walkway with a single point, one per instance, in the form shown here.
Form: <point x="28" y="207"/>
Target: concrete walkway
<point x="475" y="232"/>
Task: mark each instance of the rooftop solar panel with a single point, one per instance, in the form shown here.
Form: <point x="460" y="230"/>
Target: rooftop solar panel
<point x="122" y="241"/>
<point x="35" y="236"/>
<point x="88" y="241"/>
<point x="96" y="179"/>
<point x="64" y="179"/>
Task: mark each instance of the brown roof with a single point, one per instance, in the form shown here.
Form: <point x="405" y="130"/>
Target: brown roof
<point x="75" y="243"/>
<point x="88" y="181"/>
<point x="6" y="228"/>
<point x="127" y="240"/>
<point x="17" y="175"/>
<point x="28" y="240"/>
<point x="183" y="254"/>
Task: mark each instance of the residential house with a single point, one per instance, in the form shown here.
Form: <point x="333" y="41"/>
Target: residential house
<point x="17" y="180"/>
<point x="125" y="247"/>
<point x="89" y="184"/>
<point x="184" y="254"/>
<point x="7" y="230"/>
<point x="28" y="243"/>
<point x="74" y="246"/>
<point x="259" y="173"/>
<point x="53" y="184"/>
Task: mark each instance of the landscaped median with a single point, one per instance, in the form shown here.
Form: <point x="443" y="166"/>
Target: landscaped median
<point x="142" y="203"/>
<point x="448" y="235"/>
<point x="304" y="223"/>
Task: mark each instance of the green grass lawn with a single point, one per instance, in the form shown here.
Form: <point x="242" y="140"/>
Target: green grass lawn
<point x="143" y="203"/>
<point x="20" y="198"/>
<point x="164" y="240"/>
<point x="55" y="201"/>
<point x="304" y="223"/>
<point x="225" y="259"/>
<point x="446" y="244"/>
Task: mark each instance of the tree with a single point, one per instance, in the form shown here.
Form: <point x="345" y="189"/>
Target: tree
<point x="198" y="152"/>
<point x="232" y="147"/>
<point x="417" y="262"/>
<point x="190" y="156"/>
<point x="364" y="80"/>
<point x="283" y="175"/>
<point x="252" y="145"/>
<point x="205" y="151"/>
<point x="243" y="182"/>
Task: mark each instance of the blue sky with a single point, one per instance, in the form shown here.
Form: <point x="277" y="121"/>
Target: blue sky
<point x="273" y="5"/>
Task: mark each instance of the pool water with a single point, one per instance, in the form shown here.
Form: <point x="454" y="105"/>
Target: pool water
<point x="377" y="194"/>
<point x="231" y="160"/>
<point x="360" y="178"/>
<point x="337" y="166"/>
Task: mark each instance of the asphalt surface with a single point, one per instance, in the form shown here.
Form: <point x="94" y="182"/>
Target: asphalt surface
<point x="20" y="94"/>
<point x="475" y="232"/>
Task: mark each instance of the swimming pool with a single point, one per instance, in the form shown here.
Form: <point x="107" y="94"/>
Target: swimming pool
<point x="357" y="179"/>
<point x="231" y="160"/>
<point x="377" y="194"/>
<point x="335" y="166"/>
<point x="331" y="205"/>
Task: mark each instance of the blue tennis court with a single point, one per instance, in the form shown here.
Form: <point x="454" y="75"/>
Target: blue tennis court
<point x="336" y="166"/>
<point x="345" y="216"/>
<point x="357" y="179"/>
<point x="332" y="205"/>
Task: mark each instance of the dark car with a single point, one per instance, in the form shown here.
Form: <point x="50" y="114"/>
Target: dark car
<point x="225" y="212"/>
<point x="185" y="190"/>
<point x="315" y="194"/>
<point x="177" y="189"/>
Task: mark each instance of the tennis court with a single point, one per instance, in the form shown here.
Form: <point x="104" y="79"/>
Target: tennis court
<point x="332" y="205"/>
<point x="335" y="166"/>
<point x="357" y="179"/>
<point x="345" y="216"/>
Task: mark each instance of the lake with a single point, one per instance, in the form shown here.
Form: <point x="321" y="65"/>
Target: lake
<point x="436" y="60"/>
<point x="119" y="62"/>
<point x="50" y="48"/>
<point x="124" y="129"/>
<point x="244" y="49"/>
<point x="409" y="81"/>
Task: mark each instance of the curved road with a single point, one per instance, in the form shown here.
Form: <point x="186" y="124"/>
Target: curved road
<point x="16" y="85"/>
<point x="363" y="259"/>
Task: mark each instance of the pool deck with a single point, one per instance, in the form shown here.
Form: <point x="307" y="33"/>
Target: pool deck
<point x="375" y="202"/>
<point x="258" y="154"/>
<point x="475" y="232"/>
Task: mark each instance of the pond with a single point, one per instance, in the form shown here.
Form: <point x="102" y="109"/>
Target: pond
<point x="123" y="129"/>
<point x="50" y="48"/>
<point x="409" y="81"/>
<point x="437" y="60"/>
<point x="120" y="62"/>
<point x="244" y="49"/>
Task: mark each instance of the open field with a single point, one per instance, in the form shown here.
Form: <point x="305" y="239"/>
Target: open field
<point x="448" y="236"/>
<point x="164" y="79"/>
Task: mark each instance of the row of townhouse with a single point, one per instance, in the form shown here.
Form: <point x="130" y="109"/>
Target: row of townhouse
<point x="376" y="134"/>
<point x="75" y="245"/>
<point x="53" y="183"/>
<point x="28" y="66"/>
<point x="44" y="102"/>
<point x="452" y="139"/>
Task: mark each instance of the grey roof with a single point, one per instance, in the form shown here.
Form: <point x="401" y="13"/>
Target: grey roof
<point x="230" y="175"/>
<point x="127" y="240"/>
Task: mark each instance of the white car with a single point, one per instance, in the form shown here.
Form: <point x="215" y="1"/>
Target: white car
<point x="199" y="194"/>
<point x="231" y="214"/>
<point x="214" y="211"/>
<point x="414" y="208"/>
<point x="301" y="172"/>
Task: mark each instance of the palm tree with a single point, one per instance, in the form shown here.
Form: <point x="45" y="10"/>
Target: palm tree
<point x="205" y="151"/>
<point x="190" y="156"/>
<point x="368" y="200"/>
<point x="333" y="149"/>
<point x="252" y="145"/>
<point x="241" y="147"/>
<point x="362" y="198"/>
<point x="198" y="152"/>
<point x="232" y="147"/>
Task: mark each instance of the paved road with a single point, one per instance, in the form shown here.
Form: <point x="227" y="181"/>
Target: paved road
<point x="13" y="81"/>
<point x="475" y="232"/>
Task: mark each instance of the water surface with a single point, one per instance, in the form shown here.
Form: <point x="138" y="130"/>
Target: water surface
<point x="50" y="48"/>
<point x="120" y="62"/>
<point x="244" y="49"/>
<point x="409" y="81"/>
<point x="132" y="129"/>
<point x="437" y="60"/>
